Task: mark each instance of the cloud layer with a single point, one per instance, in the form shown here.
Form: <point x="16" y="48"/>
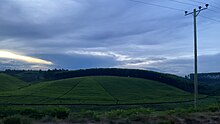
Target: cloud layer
<point x="77" y="34"/>
<point x="10" y="55"/>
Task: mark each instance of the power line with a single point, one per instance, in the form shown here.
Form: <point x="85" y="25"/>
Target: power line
<point x="215" y="7"/>
<point x="166" y="7"/>
<point x="210" y="18"/>
<point x="198" y="1"/>
<point x="214" y="11"/>
<point x="205" y="3"/>
<point x="183" y="2"/>
<point x="161" y="6"/>
<point x="152" y="4"/>
<point x="195" y="5"/>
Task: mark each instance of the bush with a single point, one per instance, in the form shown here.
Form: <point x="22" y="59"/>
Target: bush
<point x="183" y="111"/>
<point x="8" y="111"/>
<point x="166" y="122"/>
<point x="83" y="115"/>
<point x="59" y="112"/>
<point x="28" y="111"/>
<point x="31" y="112"/>
<point x="115" y="114"/>
<point x="12" y="120"/>
<point x="50" y="119"/>
<point x="213" y="108"/>
<point x="16" y="119"/>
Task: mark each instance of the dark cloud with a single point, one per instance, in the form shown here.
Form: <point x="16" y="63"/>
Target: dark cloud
<point x="78" y="61"/>
<point x="19" y="65"/>
<point x="151" y="37"/>
<point x="209" y="63"/>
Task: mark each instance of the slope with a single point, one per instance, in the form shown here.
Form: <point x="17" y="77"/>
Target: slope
<point x="10" y="83"/>
<point x="96" y="90"/>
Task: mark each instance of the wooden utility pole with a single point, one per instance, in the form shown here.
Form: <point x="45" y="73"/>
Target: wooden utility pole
<point x="195" y="13"/>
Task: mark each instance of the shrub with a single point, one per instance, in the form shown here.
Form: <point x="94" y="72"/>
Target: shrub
<point x="115" y="114"/>
<point x="183" y="111"/>
<point x="16" y="119"/>
<point x="83" y="114"/>
<point x="59" y="112"/>
<point x="8" y="111"/>
<point x="31" y="112"/>
<point x="28" y="111"/>
<point x="213" y="108"/>
<point x="12" y="120"/>
<point x="166" y="122"/>
<point x="48" y="119"/>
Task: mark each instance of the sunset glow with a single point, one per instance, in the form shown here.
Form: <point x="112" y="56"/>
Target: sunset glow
<point x="10" y="55"/>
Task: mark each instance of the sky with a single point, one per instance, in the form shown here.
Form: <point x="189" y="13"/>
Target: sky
<point x="79" y="34"/>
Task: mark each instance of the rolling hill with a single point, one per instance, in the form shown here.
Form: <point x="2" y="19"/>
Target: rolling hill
<point x="96" y="90"/>
<point x="40" y="76"/>
<point x="8" y="82"/>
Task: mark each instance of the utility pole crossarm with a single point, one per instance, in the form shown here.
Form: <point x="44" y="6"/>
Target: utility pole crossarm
<point x="195" y="13"/>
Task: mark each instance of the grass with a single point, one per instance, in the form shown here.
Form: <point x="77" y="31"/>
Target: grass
<point x="51" y="114"/>
<point x="96" y="90"/>
<point x="99" y="90"/>
<point x="10" y="83"/>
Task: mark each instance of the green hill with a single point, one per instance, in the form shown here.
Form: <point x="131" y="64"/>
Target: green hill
<point x="10" y="83"/>
<point x="96" y="90"/>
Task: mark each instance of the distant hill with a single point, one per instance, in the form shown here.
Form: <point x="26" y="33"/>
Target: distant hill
<point x="210" y="79"/>
<point x="207" y="76"/>
<point x="8" y="82"/>
<point x="172" y="80"/>
<point x="96" y="90"/>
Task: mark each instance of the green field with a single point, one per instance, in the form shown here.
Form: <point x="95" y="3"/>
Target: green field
<point x="94" y="98"/>
<point x="95" y="90"/>
<point x="10" y="83"/>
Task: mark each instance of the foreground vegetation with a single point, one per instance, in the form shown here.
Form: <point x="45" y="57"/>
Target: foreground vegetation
<point x="103" y="99"/>
<point x="28" y="115"/>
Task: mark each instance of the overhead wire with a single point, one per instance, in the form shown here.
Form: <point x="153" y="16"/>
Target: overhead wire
<point x="183" y="2"/>
<point x="216" y="7"/>
<point x="197" y="1"/>
<point x="214" y="11"/>
<point x="210" y="18"/>
<point x="195" y="5"/>
<point x="179" y="9"/>
<point x="157" y="5"/>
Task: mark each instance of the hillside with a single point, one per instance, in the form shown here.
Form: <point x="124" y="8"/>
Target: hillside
<point x="96" y="90"/>
<point x="212" y="80"/>
<point x="39" y="76"/>
<point x="8" y="82"/>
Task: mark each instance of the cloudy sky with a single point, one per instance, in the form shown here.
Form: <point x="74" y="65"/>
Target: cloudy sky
<point x="75" y="34"/>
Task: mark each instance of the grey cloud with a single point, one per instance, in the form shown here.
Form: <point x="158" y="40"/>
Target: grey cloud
<point x="49" y="28"/>
<point x="19" y="65"/>
<point x="185" y="66"/>
<point x="75" y="61"/>
<point x="209" y="63"/>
